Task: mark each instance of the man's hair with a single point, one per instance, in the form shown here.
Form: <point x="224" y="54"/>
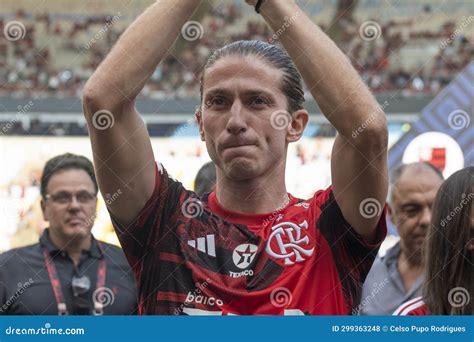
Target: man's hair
<point x="63" y="162"/>
<point x="291" y="84"/>
<point x="205" y="179"/>
<point x="447" y="256"/>
<point x="398" y="171"/>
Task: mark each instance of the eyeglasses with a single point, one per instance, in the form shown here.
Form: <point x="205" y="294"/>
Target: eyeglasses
<point x="64" y="197"/>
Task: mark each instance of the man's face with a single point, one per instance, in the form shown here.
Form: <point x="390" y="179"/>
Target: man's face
<point x="411" y="205"/>
<point x="240" y="94"/>
<point x="70" y="216"/>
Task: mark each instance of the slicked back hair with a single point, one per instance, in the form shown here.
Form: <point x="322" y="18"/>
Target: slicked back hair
<point x="291" y="83"/>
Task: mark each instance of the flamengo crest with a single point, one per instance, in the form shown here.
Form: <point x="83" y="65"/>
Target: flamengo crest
<point x="291" y="251"/>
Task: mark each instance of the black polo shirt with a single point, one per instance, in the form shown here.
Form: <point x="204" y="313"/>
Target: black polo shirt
<point x="25" y="286"/>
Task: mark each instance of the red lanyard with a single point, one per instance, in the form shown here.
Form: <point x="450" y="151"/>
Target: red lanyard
<point x="57" y="289"/>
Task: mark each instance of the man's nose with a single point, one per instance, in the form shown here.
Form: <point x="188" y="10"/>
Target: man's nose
<point x="237" y="121"/>
<point x="425" y="218"/>
<point x="74" y="204"/>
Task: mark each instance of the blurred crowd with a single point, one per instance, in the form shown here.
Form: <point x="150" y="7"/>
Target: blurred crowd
<point x="58" y="53"/>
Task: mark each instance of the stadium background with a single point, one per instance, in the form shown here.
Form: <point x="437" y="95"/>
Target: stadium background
<point x="416" y="56"/>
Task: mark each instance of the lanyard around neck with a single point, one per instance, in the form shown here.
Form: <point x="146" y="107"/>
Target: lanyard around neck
<point x="57" y="289"/>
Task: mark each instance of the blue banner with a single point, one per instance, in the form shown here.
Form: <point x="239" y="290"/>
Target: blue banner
<point x="242" y="329"/>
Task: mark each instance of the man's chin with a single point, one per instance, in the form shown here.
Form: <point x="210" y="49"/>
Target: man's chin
<point x="241" y="168"/>
<point x="75" y="231"/>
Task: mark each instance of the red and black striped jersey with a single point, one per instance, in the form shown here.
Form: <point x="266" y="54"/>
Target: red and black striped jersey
<point x="190" y="255"/>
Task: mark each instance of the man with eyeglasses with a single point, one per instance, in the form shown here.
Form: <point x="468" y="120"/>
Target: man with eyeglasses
<point x="68" y="272"/>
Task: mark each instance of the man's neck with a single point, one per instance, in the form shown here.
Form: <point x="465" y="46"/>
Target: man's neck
<point x="256" y="196"/>
<point x="409" y="268"/>
<point x="73" y="247"/>
<point x="412" y="260"/>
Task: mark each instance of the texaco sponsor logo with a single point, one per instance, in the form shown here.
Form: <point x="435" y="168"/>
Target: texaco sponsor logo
<point x="244" y="254"/>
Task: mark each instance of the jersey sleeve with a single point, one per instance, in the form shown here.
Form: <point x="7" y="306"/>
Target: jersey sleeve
<point x="352" y="255"/>
<point x="155" y="219"/>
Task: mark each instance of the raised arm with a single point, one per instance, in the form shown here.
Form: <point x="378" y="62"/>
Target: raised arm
<point x="123" y="155"/>
<point x="359" y="161"/>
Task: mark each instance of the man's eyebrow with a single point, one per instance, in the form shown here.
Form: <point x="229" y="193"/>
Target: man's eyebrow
<point x="254" y="92"/>
<point x="217" y="91"/>
<point x="250" y="92"/>
<point x="410" y="204"/>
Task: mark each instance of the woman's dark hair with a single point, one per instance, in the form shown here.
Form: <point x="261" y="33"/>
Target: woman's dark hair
<point x="448" y="260"/>
<point x="67" y="161"/>
<point x="291" y="82"/>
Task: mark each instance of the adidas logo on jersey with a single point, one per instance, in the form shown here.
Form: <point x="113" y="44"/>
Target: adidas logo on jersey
<point x="204" y="244"/>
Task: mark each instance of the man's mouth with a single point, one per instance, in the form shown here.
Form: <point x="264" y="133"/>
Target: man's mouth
<point x="237" y="145"/>
<point x="75" y="221"/>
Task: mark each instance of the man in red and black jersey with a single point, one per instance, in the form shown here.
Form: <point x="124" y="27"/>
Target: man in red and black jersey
<point x="249" y="247"/>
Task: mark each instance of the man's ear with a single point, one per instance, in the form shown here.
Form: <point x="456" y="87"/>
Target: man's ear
<point x="299" y="121"/>
<point x="198" y="116"/>
<point x="390" y="213"/>
<point x="43" y="210"/>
